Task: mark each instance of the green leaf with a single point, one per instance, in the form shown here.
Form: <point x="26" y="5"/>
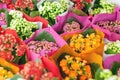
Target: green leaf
<point x="71" y="19"/>
<point x="34" y="13"/>
<point x="110" y="51"/>
<point x="23" y="59"/>
<point x="115" y="67"/>
<point x="88" y="31"/>
<point x="16" y="77"/>
<point x="2" y="10"/>
<point x="8" y="18"/>
<point x="97" y="4"/>
<point x="97" y="75"/>
<point x="7" y="68"/>
<point x="94" y="68"/>
<point x="44" y="36"/>
<point x="79" y="12"/>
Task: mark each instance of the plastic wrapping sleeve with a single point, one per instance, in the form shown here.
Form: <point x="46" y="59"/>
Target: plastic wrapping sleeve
<point x="51" y="66"/>
<point x="4" y="63"/>
<point x="59" y="41"/>
<point x="36" y="19"/>
<point x="83" y="20"/>
<point x="14" y="33"/>
<point x="107" y="17"/>
<point x="90" y="58"/>
<point x="99" y="50"/>
<point x="110" y="60"/>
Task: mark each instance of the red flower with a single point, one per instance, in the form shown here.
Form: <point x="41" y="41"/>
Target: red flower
<point x="11" y="6"/>
<point x="79" y="6"/>
<point x="88" y="1"/>
<point x="22" y="4"/>
<point x="78" y="1"/>
<point x="7" y="1"/>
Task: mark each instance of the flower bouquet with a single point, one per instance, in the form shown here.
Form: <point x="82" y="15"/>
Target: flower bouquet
<point x="70" y="23"/>
<point x="40" y="71"/>
<point x="44" y="42"/>
<point x="88" y="41"/>
<point x="109" y="24"/>
<point x="7" y="70"/>
<point x="73" y="67"/>
<point x="105" y="74"/>
<point x="49" y="9"/>
<point x="111" y="54"/>
<point x="102" y="6"/>
<point x="82" y="5"/>
<point x="12" y="48"/>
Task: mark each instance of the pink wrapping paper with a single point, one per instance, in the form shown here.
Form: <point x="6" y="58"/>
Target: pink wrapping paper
<point x="3" y="6"/>
<point x="110" y="60"/>
<point x="59" y="41"/>
<point x="105" y="17"/>
<point x="84" y="20"/>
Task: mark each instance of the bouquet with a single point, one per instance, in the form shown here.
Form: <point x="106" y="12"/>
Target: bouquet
<point x="105" y="74"/>
<point x="12" y="47"/>
<point x="44" y="43"/>
<point x="73" y="67"/>
<point x="83" y="5"/>
<point x="109" y="24"/>
<point x="70" y="23"/>
<point x="50" y="9"/>
<point x="23" y="27"/>
<point x="112" y="47"/>
<point x="87" y="41"/>
<point x="102" y="6"/>
<point x="7" y="70"/>
<point x="111" y="54"/>
<point x="27" y="6"/>
<point x="40" y="71"/>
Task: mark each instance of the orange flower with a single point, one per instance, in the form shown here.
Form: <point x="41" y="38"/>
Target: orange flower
<point x="83" y="77"/>
<point x="72" y="74"/>
<point x="67" y="71"/>
<point x="64" y="68"/>
<point x="75" y="66"/>
<point x="88" y="70"/>
<point x="80" y="72"/>
<point x="63" y="62"/>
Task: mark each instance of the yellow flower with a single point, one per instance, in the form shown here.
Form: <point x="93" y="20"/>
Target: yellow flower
<point x="67" y="78"/>
<point x="10" y="74"/>
<point x="2" y="78"/>
<point x="3" y="72"/>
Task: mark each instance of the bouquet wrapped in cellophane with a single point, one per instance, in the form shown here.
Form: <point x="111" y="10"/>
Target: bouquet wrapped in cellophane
<point x="44" y="43"/>
<point x="72" y="66"/>
<point x="12" y="48"/>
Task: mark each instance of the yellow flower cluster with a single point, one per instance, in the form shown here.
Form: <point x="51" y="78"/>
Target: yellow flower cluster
<point x="4" y="74"/>
<point x="80" y="44"/>
<point x="74" y="67"/>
